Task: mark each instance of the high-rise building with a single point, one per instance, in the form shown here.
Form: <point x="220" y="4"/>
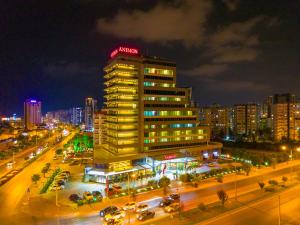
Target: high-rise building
<point x="145" y="109"/>
<point x="76" y="115"/>
<point x="90" y="108"/>
<point x="99" y="128"/>
<point x="150" y="123"/>
<point x="217" y="118"/>
<point x="246" y="119"/>
<point x="284" y="109"/>
<point x="32" y="113"/>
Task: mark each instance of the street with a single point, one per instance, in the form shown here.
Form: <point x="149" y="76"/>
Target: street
<point x="13" y="192"/>
<point x="264" y="212"/>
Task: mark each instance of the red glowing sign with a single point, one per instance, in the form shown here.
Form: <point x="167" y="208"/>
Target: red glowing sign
<point x="129" y="51"/>
<point x="170" y="156"/>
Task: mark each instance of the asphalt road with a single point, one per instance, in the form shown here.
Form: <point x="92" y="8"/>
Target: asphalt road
<point x="12" y="193"/>
<point x="265" y="212"/>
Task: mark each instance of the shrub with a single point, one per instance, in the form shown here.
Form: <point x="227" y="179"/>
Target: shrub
<point x="185" y="177"/>
<point x="202" y="206"/>
<point x="261" y="184"/>
<point x="284" y="179"/>
<point x="273" y="182"/>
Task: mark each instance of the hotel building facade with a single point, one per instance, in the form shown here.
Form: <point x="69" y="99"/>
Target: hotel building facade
<point x="149" y="122"/>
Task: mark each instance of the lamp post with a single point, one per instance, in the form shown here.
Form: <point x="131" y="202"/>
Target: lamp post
<point x="284" y="148"/>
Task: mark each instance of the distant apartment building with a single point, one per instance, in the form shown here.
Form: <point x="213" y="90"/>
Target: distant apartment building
<point x="76" y="114"/>
<point x="216" y="117"/>
<point x="99" y="128"/>
<point x="90" y="108"/>
<point x="284" y="110"/>
<point x="32" y="113"/>
<point x="246" y="119"/>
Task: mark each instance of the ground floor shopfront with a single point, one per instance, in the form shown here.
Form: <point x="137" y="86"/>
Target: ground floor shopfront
<point x="170" y="164"/>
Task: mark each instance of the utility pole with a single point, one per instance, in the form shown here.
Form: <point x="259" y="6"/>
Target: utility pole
<point x="279" y="213"/>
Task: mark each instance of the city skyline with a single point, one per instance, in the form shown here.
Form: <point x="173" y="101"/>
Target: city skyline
<point x="241" y="47"/>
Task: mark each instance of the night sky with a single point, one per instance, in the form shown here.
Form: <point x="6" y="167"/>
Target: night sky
<point x="229" y="51"/>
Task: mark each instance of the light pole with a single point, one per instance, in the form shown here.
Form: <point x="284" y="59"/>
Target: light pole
<point x="279" y="211"/>
<point x="291" y="156"/>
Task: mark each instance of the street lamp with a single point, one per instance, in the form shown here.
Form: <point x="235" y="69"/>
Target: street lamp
<point x="291" y="156"/>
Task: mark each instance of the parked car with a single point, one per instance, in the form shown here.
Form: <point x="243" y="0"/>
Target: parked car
<point x="129" y="206"/>
<point x="141" y="208"/>
<point x="60" y="182"/>
<point x="3" y="180"/>
<point x="66" y="172"/>
<point x="165" y="202"/>
<point x="114" y="215"/>
<point x="174" y="196"/>
<point x="146" y="215"/>
<point x="87" y="196"/>
<point x="74" y="197"/>
<point x="97" y="195"/>
<point x="107" y="210"/>
<point x="172" y="207"/>
<point x="56" y="187"/>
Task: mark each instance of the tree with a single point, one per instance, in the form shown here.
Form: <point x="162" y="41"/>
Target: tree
<point x="222" y="195"/>
<point x="58" y="151"/>
<point x="261" y="185"/>
<point x="247" y="169"/>
<point x="164" y="183"/>
<point x="284" y="180"/>
<point x="45" y="170"/>
<point x="35" y="178"/>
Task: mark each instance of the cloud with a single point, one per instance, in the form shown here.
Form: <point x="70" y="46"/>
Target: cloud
<point x="231" y="44"/>
<point x="235" y="86"/>
<point x="163" y="23"/>
<point x="231" y="4"/>
<point x="235" y="54"/>
<point x="207" y="70"/>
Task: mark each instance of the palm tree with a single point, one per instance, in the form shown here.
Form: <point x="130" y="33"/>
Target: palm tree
<point x="35" y="178"/>
<point x="222" y="195"/>
<point x="164" y="183"/>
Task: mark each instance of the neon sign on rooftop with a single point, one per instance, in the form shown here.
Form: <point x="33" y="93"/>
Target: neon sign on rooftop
<point x="125" y="50"/>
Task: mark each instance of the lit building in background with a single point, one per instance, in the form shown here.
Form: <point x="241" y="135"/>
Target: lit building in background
<point x="150" y="123"/>
<point x="99" y="128"/>
<point x="76" y="116"/>
<point x="284" y="109"/>
<point x="32" y="113"/>
<point x="246" y="119"/>
<point x="90" y="108"/>
<point x="217" y="118"/>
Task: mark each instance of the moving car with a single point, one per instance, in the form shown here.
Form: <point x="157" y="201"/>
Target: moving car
<point x="145" y="215"/>
<point x="129" y="206"/>
<point x="166" y="202"/>
<point x="141" y="208"/>
<point x="174" y="196"/>
<point x="114" y="215"/>
<point x="172" y="208"/>
<point x="107" y="210"/>
<point x="117" y="188"/>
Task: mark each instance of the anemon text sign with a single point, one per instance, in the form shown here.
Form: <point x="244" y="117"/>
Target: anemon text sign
<point x="125" y="50"/>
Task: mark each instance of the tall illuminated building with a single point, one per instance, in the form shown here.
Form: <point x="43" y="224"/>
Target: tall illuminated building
<point x="145" y="110"/>
<point x="90" y="108"/>
<point x="284" y="110"/>
<point x="246" y="119"/>
<point x="149" y="123"/>
<point x="32" y="113"/>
